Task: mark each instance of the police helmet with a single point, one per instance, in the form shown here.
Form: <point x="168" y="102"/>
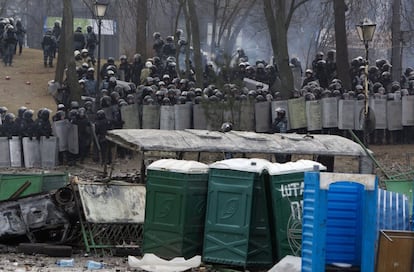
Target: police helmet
<point x="280" y="110"/>
<point x="74" y="105"/>
<point x="226" y="127"/>
<point x="100" y="114"/>
<point x="3" y="110"/>
<point x="28" y="114"/>
<point x="20" y="111"/>
<point x="9" y="117"/>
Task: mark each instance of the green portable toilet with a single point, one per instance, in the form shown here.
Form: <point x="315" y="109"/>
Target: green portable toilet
<point x="175" y="208"/>
<point x="237" y="226"/>
<point x="286" y="189"/>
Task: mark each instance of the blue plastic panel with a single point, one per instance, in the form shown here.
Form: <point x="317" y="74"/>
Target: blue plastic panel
<point x="344" y="223"/>
<point x="393" y="211"/>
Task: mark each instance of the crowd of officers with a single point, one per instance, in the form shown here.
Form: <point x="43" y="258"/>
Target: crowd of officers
<point x="11" y="39"/>
<point x="157" y="81"/>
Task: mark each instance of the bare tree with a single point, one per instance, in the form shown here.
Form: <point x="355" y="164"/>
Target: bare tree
<point x="141" y="8"/>
<point x="278" y="14"/>
<point x="65" y="56"/>
<point x="229" y="18"/>
<point x="3" y="6"/>
<point x="342" y="62"/>
<point x="195" y="35"/>
<point x="396" y="40"/>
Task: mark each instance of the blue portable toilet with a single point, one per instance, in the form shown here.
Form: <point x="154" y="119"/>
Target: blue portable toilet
<point x="339" y="220"/>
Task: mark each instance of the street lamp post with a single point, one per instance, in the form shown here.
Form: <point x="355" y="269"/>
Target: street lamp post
<point x="100" y="10"/>
<point x="366" y="30"/>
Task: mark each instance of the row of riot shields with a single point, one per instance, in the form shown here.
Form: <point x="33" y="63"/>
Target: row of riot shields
<point x="249" y="116"/>
<point x="29" y="153"/>
<point x="43" y="153"/>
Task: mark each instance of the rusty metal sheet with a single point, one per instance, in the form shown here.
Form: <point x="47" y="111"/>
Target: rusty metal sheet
<point x="115" y="202"/>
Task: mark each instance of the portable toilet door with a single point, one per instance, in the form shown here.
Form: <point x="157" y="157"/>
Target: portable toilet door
<point x="319" y="203"/>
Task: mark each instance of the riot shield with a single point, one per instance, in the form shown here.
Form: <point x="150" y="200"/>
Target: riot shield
<point x="5" y="152"/>
<point x="60" y="130"/>
<point x="231" y="113"/>
<point x="262" y="116"/>
<point x="48" y="151"/>
<point x="251" y="84"/>
<point x="199" y="117"/>
<point x="329" y="112"/>
<point x="298" y="109"/>
<point x="130" y="116"/>
<point x="15" y="147"/>
<point x="346" y="114"/>
<point x="314" y="115"/>
<point x="31" y="151"/>
<point x="358" y="121"/>
<point x="280" y="104"/>
<point x="151" y="117"/>
<point x="167" y="118"/>
<point x="394" y="115"/>
<point x="379" y="107"/>
<point x="73" y="139"/>
<point x="183" y="116"/>
<point x="408" y="110"/>
<point x="214" y="116"/>
<point x="247" y="116"/>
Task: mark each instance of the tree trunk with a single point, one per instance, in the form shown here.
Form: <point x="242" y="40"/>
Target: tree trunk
<point x="214" y="27"/>
<point x="141" y="33"/>
<point x="342" y="62"/>
<point x="195" y="33"/>
<point x="65" y="44"/>
<point x="189" y="41"/>
<point x="396" y="40"/>
<point x="277" y="27"/>
<point x="71" y="75"/>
